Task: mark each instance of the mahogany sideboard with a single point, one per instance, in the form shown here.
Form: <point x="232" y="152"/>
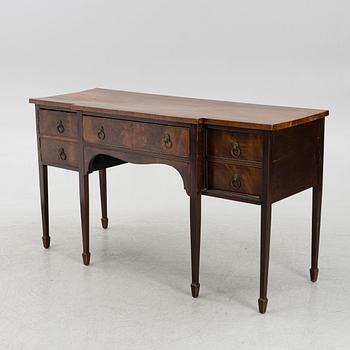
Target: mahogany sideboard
<point x="244" y="152"/>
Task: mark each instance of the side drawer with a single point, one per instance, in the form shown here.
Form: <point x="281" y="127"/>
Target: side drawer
<point x="234" y="178"/>
<point x="58" y="123"/>
<point x="234" y="145"/>
<point x="146" y="137"/>
<point x="57" y="152"/>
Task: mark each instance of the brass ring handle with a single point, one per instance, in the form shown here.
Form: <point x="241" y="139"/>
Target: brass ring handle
<point x="167" y="141"/>
<point x="60" y="127"/>
<point x="61" y="154"/>
<point x="236" y="182"/>
<point x="236" y="150"/>
<point x="101" y="134"/>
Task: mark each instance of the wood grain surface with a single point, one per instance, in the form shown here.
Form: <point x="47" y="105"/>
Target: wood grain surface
<point x="182" y="109"/>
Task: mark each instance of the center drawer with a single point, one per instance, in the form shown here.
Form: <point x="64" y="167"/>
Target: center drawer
<point x="155" y="138"/>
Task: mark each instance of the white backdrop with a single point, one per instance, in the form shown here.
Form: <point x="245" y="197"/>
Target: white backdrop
<point x="271" y="52"/>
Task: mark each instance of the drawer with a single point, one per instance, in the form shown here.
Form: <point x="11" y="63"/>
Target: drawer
<point x="160" y="139"/>
<point x="234" y="145"/>
<point x="166" y="139"/>
<point x="234" y="178"/>
<point x="58" y="123"/>
<point x="57" y="152"/>
<point x="107" y="131"/>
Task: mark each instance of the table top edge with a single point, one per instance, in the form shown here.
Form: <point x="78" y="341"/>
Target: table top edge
<point x="57" y="102"/>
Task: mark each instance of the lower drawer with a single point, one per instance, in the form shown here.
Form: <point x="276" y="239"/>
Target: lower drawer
<point x="57" y="152"/>
<point x="234" y="178"/>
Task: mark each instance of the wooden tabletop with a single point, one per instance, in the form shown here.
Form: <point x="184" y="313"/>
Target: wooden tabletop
<point x="182" y="109"/>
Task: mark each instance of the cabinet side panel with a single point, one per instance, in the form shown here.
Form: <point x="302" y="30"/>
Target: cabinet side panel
<point x="295" y="154"/>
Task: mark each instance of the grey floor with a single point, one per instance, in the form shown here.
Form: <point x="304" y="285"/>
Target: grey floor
<point x="136" y="294"/>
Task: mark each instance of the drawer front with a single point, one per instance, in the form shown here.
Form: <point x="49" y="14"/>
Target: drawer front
<point x="107" y="131"/>
<point x="161" y="139"/>
<point x="57" y="152"/>
<point x="56" y="123"/>
<point x="234" y="178"/>
<point x="233" y="145"/>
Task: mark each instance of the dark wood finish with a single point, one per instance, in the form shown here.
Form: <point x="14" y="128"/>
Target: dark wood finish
<point x="93" y="152"/>
<point x="264" y="254"/>
<point x="137" y="136"/>
<point x="234" y="145"/>
<point x="265" y="229"/>
<point x="43" y="187"/>
<point x="234" y="178"/>
<point x="103" y="161"/>
<point x="44" y="200"/>
<point x="103" y="194"/>
<point x="294" y="159"/>
<point x="59" y="152"/>
<point x="235" y="196"/>
<point x="58" y="123"/>
<point x="316" y="221"/>
<point x="195" y="205"/>
<point x="84" y="208"/>
<point x="316" y="208"/>
<point x="182" y="109"/>
<point x="105" y="131"/>
<point x="195" y="218"/>
<point x="250" y="153"/>
<point x="161" y="139"/>
<point x="84" y="196"/>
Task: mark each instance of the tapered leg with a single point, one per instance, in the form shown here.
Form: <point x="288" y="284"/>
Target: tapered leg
<point x="103" y="192"/>
<point x="316" y="209"/>
<point x="316" y="221"/>
<point x="44" y="198"/>
<point x="264" y="254"/>
<point x="195" y="217"/>
<point x="84" y="210"/>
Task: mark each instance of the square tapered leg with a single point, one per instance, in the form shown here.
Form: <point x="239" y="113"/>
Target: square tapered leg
<point x="44" y="199"/>
<point x="84" y="209"/>
<point x="264" y="254"/>
<point x="103" y="194"/>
